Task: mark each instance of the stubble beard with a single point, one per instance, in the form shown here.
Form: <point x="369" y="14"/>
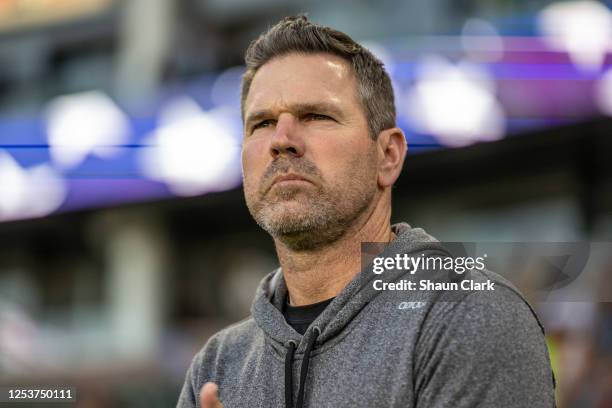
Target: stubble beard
<point x="309" y="217"/>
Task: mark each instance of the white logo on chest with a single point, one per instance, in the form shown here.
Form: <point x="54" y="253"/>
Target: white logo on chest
<point x="410" y="305"/>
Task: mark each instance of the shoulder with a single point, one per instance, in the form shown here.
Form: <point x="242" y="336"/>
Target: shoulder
<point x="491" y="339"/>
<point x="244" y="327"/>
<point x="230" y="337"/>
<point x="497" y="329"/>
<point x="487" y="313"/>
<point x="211" y="358"/>
<point x="221" y="345"/>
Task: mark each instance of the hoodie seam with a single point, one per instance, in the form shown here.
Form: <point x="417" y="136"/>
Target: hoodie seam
<point x="340" y="337"/>
<point x="278" y="356"/>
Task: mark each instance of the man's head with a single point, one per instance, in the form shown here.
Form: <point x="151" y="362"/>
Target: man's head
<point x="311" y="115"/>
<point x="298" y="35"/>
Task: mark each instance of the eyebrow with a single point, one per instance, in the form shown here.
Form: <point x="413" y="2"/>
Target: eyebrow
<point x="299" y="109"/>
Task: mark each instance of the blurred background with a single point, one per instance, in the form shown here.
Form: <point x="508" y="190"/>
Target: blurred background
<point x="124" y="238"/>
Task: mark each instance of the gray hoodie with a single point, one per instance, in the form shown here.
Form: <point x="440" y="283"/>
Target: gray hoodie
<point x="372" y="348"/>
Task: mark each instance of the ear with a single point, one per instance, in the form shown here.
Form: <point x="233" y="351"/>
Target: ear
<point x="392" y="150"/>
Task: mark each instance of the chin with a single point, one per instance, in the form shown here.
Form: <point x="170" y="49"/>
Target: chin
<point x="287" y="216"/>
<point x="291" y="216"/>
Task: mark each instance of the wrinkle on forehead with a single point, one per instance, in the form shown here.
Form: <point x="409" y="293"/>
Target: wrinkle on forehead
<point x="322" y="85"/>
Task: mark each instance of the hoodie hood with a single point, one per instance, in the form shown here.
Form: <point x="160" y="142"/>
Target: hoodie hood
<point x="267" y="305"/>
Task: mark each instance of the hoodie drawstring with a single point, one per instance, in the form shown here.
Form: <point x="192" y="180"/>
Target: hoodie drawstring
<point x="289" y="375"/>
<point x="303" y="370"/>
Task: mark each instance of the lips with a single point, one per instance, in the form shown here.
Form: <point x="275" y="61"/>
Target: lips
<point x="288" y="177"/>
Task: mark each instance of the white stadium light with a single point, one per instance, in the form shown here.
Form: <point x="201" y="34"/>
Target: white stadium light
<point x="455" y="103"/>
<point x="583" y="29"/>
<point x="82" y="124"/>
<point x="193" y="151"/>
<point x="28" y="193"/>
<point x="481" y="42"/>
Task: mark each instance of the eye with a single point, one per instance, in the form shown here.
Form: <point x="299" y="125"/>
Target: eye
<point x="262" y="124"/>
<point x="316" y="116"/>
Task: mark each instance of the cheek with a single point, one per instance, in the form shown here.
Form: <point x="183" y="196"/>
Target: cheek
<point x="254" y="159"/>
<point x="342" y="164"/>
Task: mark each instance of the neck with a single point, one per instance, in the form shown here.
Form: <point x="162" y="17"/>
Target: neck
<point x="316" y="275"/>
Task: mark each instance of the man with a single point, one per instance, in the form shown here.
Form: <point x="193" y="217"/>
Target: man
<point x="321" y="153"/>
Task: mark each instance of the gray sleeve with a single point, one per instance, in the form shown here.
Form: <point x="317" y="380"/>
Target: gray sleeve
<point x="202" y="369"/>
<point x="487" y="350"/>
<point x="188" y="397"/>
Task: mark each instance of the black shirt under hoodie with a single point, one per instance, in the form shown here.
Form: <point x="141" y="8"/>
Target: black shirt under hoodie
<point x="300" y="317"/>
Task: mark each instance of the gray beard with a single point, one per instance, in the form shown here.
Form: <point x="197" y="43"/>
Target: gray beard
<point x="307" y="219"/>
<point x="321" y="219"/>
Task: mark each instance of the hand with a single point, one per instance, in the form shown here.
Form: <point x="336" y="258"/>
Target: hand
<point x="209" y="396"/>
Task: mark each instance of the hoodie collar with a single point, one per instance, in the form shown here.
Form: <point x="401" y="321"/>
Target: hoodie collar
<point x="272" y="291"/>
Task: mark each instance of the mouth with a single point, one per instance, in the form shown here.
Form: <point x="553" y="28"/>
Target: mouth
<point x="290" y="178"/>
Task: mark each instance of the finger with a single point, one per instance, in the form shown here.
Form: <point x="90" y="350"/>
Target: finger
<point x="209" y="396"/>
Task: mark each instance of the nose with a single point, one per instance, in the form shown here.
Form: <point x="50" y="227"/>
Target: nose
<point x="287" y="139"/>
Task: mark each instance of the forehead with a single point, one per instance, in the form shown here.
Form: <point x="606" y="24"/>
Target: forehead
<point x="298" y="78"/>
